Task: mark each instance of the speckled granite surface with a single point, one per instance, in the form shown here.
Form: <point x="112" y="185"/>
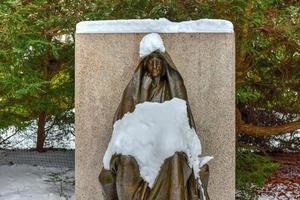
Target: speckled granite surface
<point x="104" y="65"/>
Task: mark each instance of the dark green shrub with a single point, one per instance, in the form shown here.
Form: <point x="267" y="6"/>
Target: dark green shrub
<point x="252" y="170"/>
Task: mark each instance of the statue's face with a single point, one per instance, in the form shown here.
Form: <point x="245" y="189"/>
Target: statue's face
<point x="155" y="66"/>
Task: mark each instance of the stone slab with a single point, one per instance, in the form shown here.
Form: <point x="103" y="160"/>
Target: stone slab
<point x="104" y="65"/>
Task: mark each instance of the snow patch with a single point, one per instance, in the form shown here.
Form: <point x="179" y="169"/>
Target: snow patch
<point x="150" y="43"/>
<point x="34" y="183"/>
<point x="153" y="133"/>
<point x="161" y="25"/>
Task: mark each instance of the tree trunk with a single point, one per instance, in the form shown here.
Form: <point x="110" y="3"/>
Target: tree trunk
<point x="42" y="116"/>
<point x="260" y="131"/>
<point x="41" y="132"/>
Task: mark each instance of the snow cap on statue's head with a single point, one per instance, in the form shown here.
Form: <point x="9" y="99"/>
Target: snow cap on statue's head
<point x="150" y="43"/>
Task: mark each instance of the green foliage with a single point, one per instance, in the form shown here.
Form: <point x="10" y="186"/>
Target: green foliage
<point x="248" y="94"/>
<point x="36" y="60"/>
<point x="37" y="49"/>
<point x="267" y="42"/>
<point x="252" y="170"/>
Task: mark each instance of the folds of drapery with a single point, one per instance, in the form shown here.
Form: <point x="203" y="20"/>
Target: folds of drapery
<point x="176" y="180"/>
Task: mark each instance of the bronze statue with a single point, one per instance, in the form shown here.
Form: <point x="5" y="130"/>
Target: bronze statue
<point x="156" y="79"/>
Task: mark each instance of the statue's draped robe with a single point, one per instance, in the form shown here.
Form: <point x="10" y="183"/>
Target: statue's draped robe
<point x="176" y="180"/>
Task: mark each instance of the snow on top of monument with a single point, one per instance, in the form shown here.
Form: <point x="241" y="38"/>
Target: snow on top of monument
<point x="151" y="42"/>
<point x="153" y="133"/>
<point x="161" y="25"/>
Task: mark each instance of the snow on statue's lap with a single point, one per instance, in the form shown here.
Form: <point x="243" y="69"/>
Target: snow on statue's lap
<point x="151" y="134"/>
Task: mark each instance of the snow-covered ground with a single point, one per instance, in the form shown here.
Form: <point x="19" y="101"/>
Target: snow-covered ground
<point x="284" y="183"/>
<point x="281" y="191"/>
<point x="25" y="182"/>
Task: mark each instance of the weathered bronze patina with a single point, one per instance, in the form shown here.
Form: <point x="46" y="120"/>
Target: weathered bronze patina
<point x="156" y="79"/>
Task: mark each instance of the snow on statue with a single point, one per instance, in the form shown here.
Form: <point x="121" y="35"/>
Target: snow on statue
<point x="154" y="152"/>
<point x="151" y="138"/>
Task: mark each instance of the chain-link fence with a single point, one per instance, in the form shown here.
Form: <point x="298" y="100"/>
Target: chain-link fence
<point x="56" y="158"/>
<point x="17" y="144"/>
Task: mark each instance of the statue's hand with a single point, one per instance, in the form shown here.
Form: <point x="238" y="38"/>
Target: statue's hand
<point x="146" y="82"/>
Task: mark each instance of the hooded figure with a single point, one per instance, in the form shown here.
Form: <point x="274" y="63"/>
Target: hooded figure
<point x="155" y="79"/>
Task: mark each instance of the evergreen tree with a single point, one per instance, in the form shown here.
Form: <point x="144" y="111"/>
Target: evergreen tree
<point x="37" y="54"/>
<point x="36" y="62"/>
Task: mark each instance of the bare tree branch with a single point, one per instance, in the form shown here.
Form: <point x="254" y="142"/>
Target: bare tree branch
<point x="253" y="130"/>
